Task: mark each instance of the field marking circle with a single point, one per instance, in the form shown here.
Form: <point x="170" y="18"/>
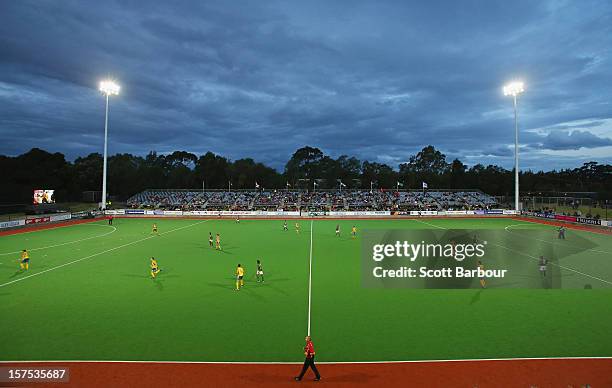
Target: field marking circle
<point x="68" y="242"/>
<point x="507" y="229"/>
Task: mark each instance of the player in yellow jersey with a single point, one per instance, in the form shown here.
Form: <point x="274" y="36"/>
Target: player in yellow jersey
<point x="154" y="231"/>
<point x="154" y="267"/>
<point x="483" y="283"/>
<point x="297" y="228"/>
<point x="354" y="231"/>
<point x="239" y="277"/>
<point x="218" y="241"/>
<point x="24" y="262"/>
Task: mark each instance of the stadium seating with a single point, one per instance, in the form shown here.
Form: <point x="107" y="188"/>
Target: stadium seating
<point x="353" y="200"/>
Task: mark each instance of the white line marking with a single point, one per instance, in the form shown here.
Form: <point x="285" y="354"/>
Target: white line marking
<point x="310" y="276"/>
<point x="52" y="226"/>
<point x="318" y="362"/>
<point x="98" y="254"/>
<point x="532" y="257"/>
<point x="555" y="264"/>
<point x="69" y="242"/>
<point x="427" y="223"/>
<point x="569" y="226"/>
<point x="507" y="228"/>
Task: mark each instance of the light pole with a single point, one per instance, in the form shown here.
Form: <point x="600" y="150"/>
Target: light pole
<point x="109" y="88"/>
<point x="514" y="89"/>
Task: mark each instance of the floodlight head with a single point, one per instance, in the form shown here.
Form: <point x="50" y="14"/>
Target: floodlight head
<point x="514" y="88"/>
<point x="109" y="87"/>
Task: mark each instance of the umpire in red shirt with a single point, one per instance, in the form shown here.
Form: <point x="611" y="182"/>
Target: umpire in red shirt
<point x="309" y="352"/>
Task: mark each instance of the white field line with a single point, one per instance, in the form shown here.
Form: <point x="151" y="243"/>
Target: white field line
<point x="507" y="228"/>
<point x="310" y="276"/>
<point x="427" y="223"/>
<point x="56" y="226"/>
<point x="98" y="254"/>
<point x="542" y="222"/>
<point x="555" y="264"/>
<point x="69" y="242"/>
<point x="301" y="362"/>
<point x="532" y="257"/>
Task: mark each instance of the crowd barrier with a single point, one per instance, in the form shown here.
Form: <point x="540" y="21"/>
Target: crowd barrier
<point x="48" y="219"/>
<point x="26" y="221"/>
<point x="339" y="214"/>
<point x="12" y="224"/>
<point x="574" y="219"/>
<point x="280" y="213"/>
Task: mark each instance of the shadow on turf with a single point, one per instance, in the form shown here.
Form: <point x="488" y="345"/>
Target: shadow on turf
<point x="279" y="290"/>
<point x="279" y="280"/>
<point x="24" y="272"/>
<point x="224" y="248"/>
<point x="158" y="281"/>
<point x="159" y="284"/>
<point x="227" y="285"/>
<point x="19" y="272"/>
<point x="270" y="284"/>
<point x="149" y="276"/>
<point x="476" y="297"/>
<point x="340" y="239"/>
<point x="246" y="289"/>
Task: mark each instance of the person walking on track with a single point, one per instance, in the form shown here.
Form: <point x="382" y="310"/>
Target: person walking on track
<point x="309" y="352"/>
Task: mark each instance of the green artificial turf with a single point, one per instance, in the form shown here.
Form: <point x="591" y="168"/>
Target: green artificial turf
<point x="103" y="305"/>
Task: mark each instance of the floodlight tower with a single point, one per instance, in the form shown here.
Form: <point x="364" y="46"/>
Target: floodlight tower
<point x="108" y="88"/>
<point x="514" y="89"/>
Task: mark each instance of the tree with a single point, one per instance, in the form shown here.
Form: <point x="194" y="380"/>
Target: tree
<point x="428" y="161"/>
<point x="428" y="165"/>
<point x="154" y="172"/>
<point x="88" y="172"/>
<point x="457" y="174"/>
<point x="213" y="170"/>
<point x="123" y="175"/>
<point x="381" y="174"/>
<point x="180" y="166"/>
<point x="349" y="169"/>
<point x="304" y="164"/>
<point x="129" y="174"/>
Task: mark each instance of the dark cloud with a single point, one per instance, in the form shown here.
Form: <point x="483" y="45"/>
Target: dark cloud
<point x="499" y="151"/>
<point x="378" y="80"/>
<point x="574" y="140"/>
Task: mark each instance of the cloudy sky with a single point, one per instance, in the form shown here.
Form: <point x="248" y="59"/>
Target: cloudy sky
<point x="378" y="79"/>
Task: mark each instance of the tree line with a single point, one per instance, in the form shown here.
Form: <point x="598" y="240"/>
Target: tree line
<point x="129" y="174"/>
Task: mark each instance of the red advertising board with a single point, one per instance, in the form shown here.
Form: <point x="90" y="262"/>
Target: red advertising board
<point x="37" y="220"/>
<point x="565" y="218"/>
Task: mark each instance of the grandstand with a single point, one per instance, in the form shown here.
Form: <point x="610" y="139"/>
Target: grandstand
<point x="323" y="200"/>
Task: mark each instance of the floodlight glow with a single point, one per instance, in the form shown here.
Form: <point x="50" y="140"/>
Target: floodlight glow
<point x="109" y="87"/>
<point x="514" y="88"/>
